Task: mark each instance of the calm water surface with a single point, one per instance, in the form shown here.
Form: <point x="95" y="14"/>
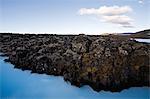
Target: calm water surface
<point x="18" y="84"/>
<point x="143" y="40"/>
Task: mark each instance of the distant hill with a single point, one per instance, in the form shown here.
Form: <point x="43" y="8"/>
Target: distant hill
<point x="142" y="34"/>
<point x="145" y="34"/>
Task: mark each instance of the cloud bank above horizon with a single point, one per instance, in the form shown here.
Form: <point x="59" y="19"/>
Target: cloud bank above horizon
<point x="111" y="14"/>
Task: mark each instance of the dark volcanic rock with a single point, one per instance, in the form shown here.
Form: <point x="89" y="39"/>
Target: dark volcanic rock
<point x="107" y="62"/>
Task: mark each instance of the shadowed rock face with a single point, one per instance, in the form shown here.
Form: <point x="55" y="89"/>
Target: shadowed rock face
<point x="108" y="62"/>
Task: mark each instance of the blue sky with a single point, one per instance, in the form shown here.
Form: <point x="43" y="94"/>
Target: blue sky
<point x="65" y="17"/>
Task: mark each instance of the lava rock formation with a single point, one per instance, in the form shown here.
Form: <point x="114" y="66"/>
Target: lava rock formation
<point x="108" y="62"/>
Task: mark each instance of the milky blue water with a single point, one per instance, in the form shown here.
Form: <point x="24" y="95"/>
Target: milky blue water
<point x="143" y="40"/>
<point x="18" y="84"/>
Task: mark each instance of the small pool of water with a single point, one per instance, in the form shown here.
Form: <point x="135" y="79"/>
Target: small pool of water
<point x="18" y="84"/>
<point x="143" y="40"/>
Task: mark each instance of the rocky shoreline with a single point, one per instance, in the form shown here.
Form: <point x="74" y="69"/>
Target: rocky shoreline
<point x="104" y="62"/>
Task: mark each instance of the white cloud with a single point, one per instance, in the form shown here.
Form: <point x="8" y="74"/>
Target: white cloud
<point x="104" y="10"/>
<point x="141" y="1"/>
<point x="122" y="20"/>
<point x="110" y="14"/>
